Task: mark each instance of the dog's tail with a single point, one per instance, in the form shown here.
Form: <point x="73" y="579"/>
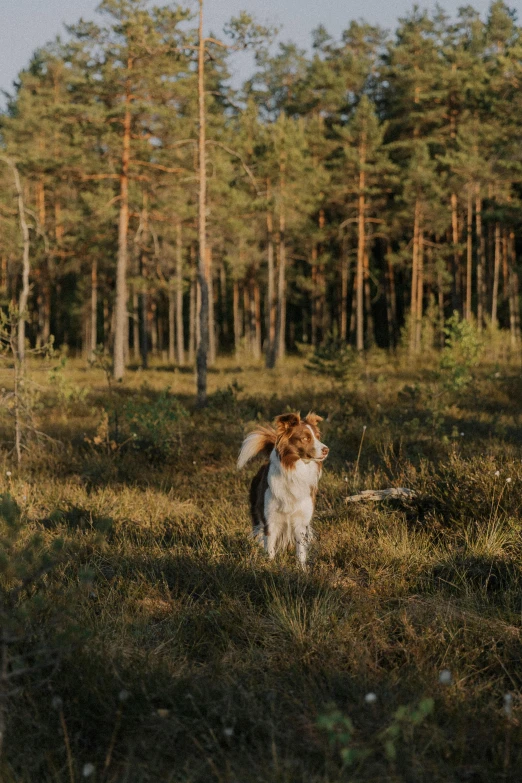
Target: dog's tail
<point x="261" y="441"/>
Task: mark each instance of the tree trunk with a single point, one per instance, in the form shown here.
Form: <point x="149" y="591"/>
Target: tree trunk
<point x="120" y="325"/>
<point x="420" y="293"/>
<point x="236" y="317"/>
<point x="514" y="304"/>
<point x="361" y="242"/>
<point x="414" y="277"/>
<point x="202" y="356"/>
<point x="180" y="343"/>
<point x="368" y="301"/>
<point x="211" y="309"/>
<point x="281" y="292"/>
<point x="257" y="316"/>
<point x="193" y="314"/>
<point x="456" y="255"/>
<point x="145" y="331"/>
<point x="315" y="297"/>
<point x="172" y="324"/>
<point x="94" y="307"/>
<point x="469" y="255"/>
<point x="343" y="330"/>
<point x="271" y="304"/>
<point x="496" y="275"/>
<point x="480" y="259"/>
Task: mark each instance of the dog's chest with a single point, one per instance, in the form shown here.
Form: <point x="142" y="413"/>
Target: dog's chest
<point x="292" y="487"/>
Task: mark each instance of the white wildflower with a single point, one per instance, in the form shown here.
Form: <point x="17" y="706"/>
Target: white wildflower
<point x="8" y="474"/>
<point x="508" y="705"/>
<point x="508" y="480"/>
<point x="123" y="695"/>
<point x="497" y="473"/>
<point x="370" y="698"/>
<point x="228" y="731"/>
<point x="88" y="770"/>
<point x="445" y="677"/>
<point x="461" y="434"/>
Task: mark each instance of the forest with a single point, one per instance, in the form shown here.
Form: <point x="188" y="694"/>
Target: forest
<point x="339" y="231"/>
<point x="361" y="192"/>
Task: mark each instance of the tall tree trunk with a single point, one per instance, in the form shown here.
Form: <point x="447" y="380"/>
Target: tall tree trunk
<point x="172" y="327"/>
<point x="480" y="259"/>
<point x="144" y="297"/>
<point x="315" y="297"/>
<point x="496" y="275"/>
<point x="455" y="286"/>
<point x="223" y="300"/>
<point x="344" y="294"/>
<point x="203" y="347"/>
<point x="469" y="254"/>
<point x="180" y="343"/>
<point x="514" y="303"/>
<point x="271" y="303"/>
<point x="414" y="276"/>
<point x="94" y="306"/>
<point x="120" y="325"/>
<point x="361" y="243"/>
<point x="370" y="330"/>
<point x="193" y="312"/>
<point x="135" y="325"/>
<point x="420" y="293"/>
<point x="236" y="317"/>
<point x="153" y="324"/>
<point x="257" y="317"/>
<point x="211" y="309"/>
<point x="281" y="290"/>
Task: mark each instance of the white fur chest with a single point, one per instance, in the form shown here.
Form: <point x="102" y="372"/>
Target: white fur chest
<point x="290" y="488"/>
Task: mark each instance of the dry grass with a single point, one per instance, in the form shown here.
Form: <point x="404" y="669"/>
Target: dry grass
<point x="179" y="653"/>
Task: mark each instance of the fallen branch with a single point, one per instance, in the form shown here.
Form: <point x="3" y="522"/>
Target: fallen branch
<point x="381" y="494"/>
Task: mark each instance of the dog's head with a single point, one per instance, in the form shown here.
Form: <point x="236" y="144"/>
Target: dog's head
<point x="298" y="438"/>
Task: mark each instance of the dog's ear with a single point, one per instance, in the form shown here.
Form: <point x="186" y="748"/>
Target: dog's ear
<point x="287" y="422"/>
<point x="313" y="419"/>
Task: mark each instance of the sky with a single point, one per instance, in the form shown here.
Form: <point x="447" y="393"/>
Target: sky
<point x="28" y="24"/>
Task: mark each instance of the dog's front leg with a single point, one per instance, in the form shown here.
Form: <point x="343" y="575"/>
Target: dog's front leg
<point x="302" y="545"/>
<point x="270" y="541"/>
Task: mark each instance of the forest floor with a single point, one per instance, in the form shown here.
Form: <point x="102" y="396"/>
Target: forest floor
<point x="148" y="638"/>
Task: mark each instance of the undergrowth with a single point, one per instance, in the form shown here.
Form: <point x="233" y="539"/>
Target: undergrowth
<point x="152" y="640"/>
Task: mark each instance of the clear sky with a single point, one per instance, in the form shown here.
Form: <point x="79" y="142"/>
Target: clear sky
<point x="28" y="24"/>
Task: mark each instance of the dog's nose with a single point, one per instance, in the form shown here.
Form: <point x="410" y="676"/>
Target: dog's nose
<point x="325" y="451"/>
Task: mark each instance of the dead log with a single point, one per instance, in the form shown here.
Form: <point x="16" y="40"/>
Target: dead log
<point x="381" y="494"/>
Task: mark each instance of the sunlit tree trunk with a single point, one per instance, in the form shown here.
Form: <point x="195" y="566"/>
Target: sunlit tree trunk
<point x="361" y="243"/>
<point x="203" y="347"/>
<point x="271" y="301"/>
<point x="120" y="325"/>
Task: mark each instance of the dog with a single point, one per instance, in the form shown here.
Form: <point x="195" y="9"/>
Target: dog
<point x="283" y="491"/>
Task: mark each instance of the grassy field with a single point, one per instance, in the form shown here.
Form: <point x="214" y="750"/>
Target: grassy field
<point x="147" y="638"/>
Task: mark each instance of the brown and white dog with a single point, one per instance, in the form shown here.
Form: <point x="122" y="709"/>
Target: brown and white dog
<point x="282" y="493"/>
